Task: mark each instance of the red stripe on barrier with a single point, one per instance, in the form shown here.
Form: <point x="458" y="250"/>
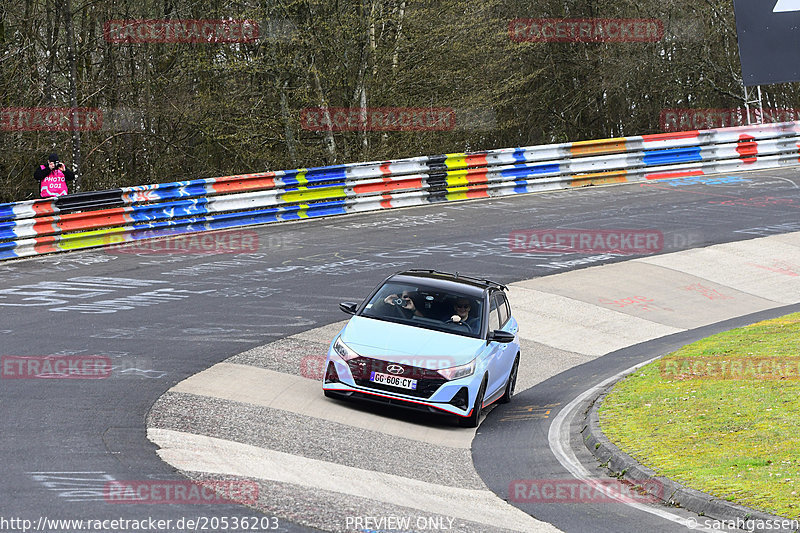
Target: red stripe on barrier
<point x="45" y="245"/>
<point x="668" y="136"/>
<point x="240" y="185"/>
<point x="43" y="208"/>
<point x="386" y="203"/>
<point x="677" y="174"/>
<point x="747" y="149"/>
<point x="45" y="226"/>
<point x="476" y="160"/>
<point x="94" y="219"/>
<point x="388" y="185"/>
<point x="477" y="175"/>
<point x="385" y="168"/>
<point x="482" y="192"/>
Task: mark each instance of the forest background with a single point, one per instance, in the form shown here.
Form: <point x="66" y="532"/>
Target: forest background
<point x="182" y="110"/>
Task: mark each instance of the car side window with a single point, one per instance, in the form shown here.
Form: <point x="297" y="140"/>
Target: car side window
<point x="502" y="306"/>
<point x="494" y="315"/>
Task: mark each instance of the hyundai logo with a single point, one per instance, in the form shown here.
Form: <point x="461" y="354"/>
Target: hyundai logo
<point x="395" y="369"/>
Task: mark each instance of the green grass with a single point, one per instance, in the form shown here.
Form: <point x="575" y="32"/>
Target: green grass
<point x="735" y="435"/>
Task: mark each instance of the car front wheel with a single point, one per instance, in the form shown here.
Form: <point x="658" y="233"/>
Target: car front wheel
<point x="473" y="420"/>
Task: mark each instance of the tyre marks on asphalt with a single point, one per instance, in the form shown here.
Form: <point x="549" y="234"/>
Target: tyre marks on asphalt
<point x="259" y="415"/>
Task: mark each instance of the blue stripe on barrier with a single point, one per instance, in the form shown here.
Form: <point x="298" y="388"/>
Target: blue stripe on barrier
<point x="184" y="208"/>
<point x="7" y="250"/>
<point x="334" y="172"/>
<point x="530" y="170"/>
<point x="519" y="155"/>
<point x="7" y="230"/>
<point x="675" y="155"/>
<point x="7" y="211"/>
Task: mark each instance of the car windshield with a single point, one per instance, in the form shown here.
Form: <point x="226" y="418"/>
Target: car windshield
<point x="426" y="307"/>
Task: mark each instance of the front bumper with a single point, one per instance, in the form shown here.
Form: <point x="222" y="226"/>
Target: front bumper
<point x="434" y="394"/>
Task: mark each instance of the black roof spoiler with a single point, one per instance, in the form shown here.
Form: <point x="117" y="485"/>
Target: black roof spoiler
<point x="457" y="276"/>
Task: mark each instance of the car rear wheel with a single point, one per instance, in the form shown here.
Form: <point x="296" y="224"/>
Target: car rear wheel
<point x="512" y="382"/>
<point x="473" y="420"/>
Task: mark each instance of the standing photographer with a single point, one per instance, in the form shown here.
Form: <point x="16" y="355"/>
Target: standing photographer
<point x="53" y="177"/>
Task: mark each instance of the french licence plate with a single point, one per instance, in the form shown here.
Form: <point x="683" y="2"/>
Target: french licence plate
<point x="394" y="381"/>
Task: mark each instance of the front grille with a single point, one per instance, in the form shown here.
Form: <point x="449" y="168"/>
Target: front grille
<point x="428" y="381"/>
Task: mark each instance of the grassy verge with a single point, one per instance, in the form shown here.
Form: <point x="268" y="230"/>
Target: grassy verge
<point x="721" y="415"/>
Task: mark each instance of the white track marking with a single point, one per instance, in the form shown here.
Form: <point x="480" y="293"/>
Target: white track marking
<point x="559" y="437"/>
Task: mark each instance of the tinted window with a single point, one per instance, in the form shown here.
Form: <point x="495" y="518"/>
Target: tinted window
<point x="426" y="307"/>
<point x="502" y="306"/>
<point x="494" y="315"/>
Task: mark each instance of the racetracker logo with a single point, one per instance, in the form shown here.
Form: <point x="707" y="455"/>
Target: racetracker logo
<point x="181" y="492"/>
<point x="729" y="368"/>
<point x="55" y="367"/>
<point x="229" y="242"/>
<point x="136" y="31"/>
<point x="584" y="491"/>
<point x="50" y="119"/>
<point x="585" y="241"/>
<point x="378" y="119"/>
<point x="672" y="120"/>
<point x="586" y="30"/>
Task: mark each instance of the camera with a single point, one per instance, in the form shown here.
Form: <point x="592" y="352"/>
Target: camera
<point x="399" y="301"/>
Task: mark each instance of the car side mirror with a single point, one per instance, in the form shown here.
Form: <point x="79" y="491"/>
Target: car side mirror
<point x="348" y="307"/>
<point x="499" y="335"/>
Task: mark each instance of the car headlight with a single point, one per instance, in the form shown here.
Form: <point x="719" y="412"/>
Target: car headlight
<point x="343" y="350"/>
<point x="458" y="372"/>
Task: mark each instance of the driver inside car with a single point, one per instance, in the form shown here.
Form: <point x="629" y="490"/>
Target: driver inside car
<point x="461" y="314"/>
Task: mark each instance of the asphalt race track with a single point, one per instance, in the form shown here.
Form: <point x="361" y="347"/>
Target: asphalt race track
<point x="161" y="318"/>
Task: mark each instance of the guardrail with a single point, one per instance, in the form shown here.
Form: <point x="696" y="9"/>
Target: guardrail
<point x="102" y="218"/>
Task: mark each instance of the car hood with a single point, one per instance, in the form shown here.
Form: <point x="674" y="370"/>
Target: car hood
<point x="406" y="344"/>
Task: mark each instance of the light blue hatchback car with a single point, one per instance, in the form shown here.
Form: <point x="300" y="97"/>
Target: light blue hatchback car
<point x="428" y="340"/>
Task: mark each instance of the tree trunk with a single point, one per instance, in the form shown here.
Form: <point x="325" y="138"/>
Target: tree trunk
<point x="330" y="143"/>
<point x="287" y="125"/>
<point x="73" y="93"/>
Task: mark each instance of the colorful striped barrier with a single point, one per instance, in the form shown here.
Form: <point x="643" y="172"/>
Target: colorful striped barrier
<point x="101" y="218"/>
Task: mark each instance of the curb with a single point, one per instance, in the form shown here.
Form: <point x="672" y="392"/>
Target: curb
<point x="621" y="465"/>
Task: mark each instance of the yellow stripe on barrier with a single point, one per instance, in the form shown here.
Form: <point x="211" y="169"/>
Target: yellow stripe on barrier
<point x="86" y="239"/>
<point x="456" y="160"/>
<point x="457" y="178"/>
<point x="599" y="147"/>
<point x="301" y="176"/>
<point x="599" y="178"/>
<point x="319" y="193"/>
